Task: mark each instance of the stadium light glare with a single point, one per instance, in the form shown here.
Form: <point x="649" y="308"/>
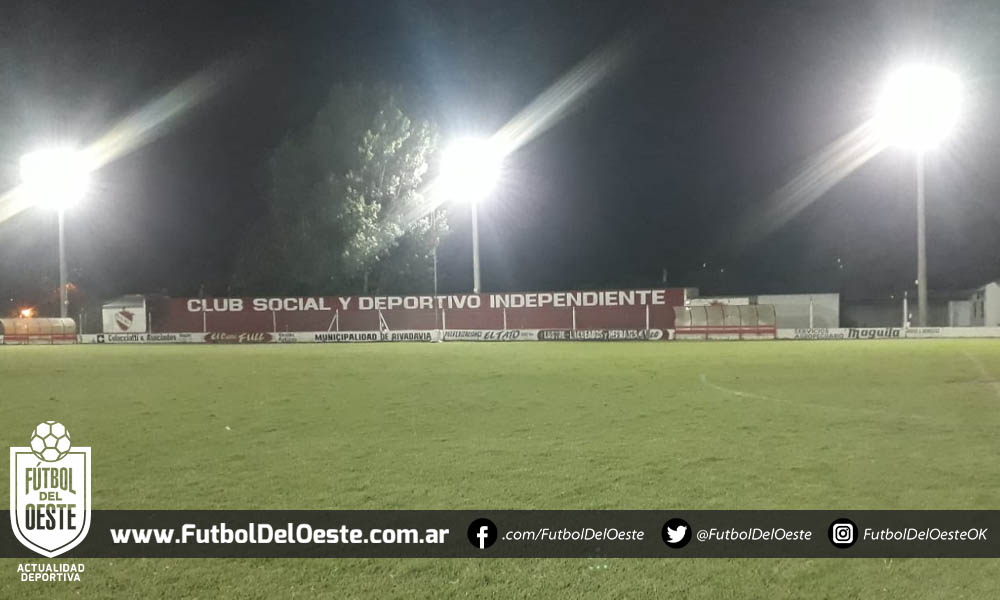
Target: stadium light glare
<point x="55" y="178"/>
<point x="469" y="172"/>
<point x="470" y="169"/>
<point x="919" y="107"/>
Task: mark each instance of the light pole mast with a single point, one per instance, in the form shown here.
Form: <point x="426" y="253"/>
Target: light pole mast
<point x="921" y="245"/>
<point x="470" y="171"/>
<point x="56" y="178"/>
<point x="63" y="299"/>
<point x="918" y="109"/>
<point x="434" y="252"/>
<point x="475" y="248"/>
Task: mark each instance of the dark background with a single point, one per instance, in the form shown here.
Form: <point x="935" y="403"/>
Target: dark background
<point x="717" y="106"/>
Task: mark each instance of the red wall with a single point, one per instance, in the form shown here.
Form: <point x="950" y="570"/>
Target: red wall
<point x="219" y="315"/>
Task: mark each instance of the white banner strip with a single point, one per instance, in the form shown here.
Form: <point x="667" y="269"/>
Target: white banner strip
<point x="887" y="333"/>
<point x="532" y="335"/>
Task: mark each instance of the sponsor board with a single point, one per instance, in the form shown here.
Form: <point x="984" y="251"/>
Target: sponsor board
<point x="812" y="333"/>
<point x="121" y="338"/>
<point x="50" y="510"/>
<point x="886" y="333"/>
<point x="287" y="337"/>
<point x="334" y="337"/>
<point x="952" y="332"/>
<point x="137" y="338"/>
<point x="490" y="335"/>
<point x="599" y="335"/>
<point x="842" y="333"/>
<point x="169" y="338"/>
<point x="874" y="333"/>
<point x="216" y="337"/>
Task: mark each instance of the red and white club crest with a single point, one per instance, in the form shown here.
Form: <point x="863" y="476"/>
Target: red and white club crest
<point x="124" y="319"/>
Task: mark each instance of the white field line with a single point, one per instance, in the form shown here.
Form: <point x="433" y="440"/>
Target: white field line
<point x="982" y="371"/>
<point x="737" y="393"/>
<point x="829" y="407"/>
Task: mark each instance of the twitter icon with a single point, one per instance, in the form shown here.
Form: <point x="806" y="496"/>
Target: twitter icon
<point x="676" y="533"/>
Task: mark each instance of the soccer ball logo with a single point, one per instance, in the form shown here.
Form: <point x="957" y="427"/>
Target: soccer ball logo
<point x="50" y="441"/>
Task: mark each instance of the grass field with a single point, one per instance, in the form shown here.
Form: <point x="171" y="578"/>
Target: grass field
<point x="825" y="425"/>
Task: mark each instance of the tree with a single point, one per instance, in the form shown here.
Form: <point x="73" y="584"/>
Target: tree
<point x="345" y="202"/>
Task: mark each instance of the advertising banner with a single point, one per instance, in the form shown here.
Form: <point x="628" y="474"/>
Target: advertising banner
<point x="141" y="338"/>
<point x="842" y="333"/>
<point x="490" y="335"/>
<point x="953" y="332"/>
<point x="601" y="335"/>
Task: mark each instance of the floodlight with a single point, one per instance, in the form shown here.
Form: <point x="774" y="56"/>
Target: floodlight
<point x="55" y="178"/>
<point x="919" y="106"/>
<point x="471" y="169"/>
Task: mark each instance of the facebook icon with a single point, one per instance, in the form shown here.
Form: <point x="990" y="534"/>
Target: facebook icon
<point x="482" y="533"/>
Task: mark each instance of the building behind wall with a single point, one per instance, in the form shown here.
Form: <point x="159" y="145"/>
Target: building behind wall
<point x="981" y="309"/>
<point x="888" y="312"/>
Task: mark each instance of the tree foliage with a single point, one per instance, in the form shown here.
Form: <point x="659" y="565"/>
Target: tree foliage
<point x="341" y="199"/>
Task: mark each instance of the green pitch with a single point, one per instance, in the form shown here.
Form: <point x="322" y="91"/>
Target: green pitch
<point x="824" y="425"/>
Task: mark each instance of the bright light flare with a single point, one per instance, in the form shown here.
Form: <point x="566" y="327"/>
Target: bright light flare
<point x="27" y="313"/>
<point x="818" y="175"/>
<point x="919" y="107"/>
<point x="55" y="178"/>
<point x="470" y="169"/>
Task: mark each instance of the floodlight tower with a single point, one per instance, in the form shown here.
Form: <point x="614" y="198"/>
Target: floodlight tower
<point x="918" y="109"/>
<point x="56" y="178"/>
<point x="470" y="171"/>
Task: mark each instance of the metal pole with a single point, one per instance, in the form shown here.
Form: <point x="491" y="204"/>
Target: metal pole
<point x="63" y="299"/>
<point x="475" y="248"/>
<point x="434" y="252"/>
<point x="921" y="245"/>
<point x="906" y="309"/>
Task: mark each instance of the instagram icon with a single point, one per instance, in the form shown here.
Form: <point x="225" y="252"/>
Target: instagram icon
<point x="843" y="533"/>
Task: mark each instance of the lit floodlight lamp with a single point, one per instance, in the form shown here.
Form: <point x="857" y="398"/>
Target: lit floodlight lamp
<point x="919" y="107"/>
<point x="55" y="178"/>
<point x="470" y="169"/>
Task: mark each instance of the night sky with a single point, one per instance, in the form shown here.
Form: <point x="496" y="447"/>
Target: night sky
<point x="714" y="109"/>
